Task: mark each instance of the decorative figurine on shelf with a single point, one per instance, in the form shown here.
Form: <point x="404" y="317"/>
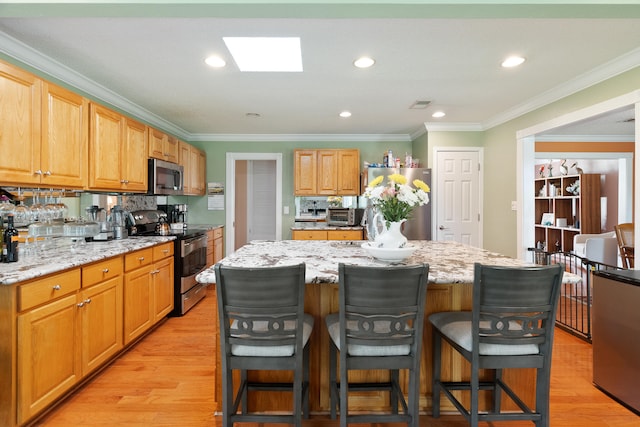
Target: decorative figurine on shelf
<point x="574" y="188"/>
<point x="579" y="170"/>
<point x="541" y="171"/>
<point x="550" y="170"/>
<point x="564" y="170"/>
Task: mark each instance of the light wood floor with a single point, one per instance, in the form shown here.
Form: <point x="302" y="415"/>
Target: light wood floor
<point x="167" y="380"/>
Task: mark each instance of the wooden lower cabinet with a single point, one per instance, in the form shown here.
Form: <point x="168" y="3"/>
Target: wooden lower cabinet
<point x="58" y="329"/>
<point x="327" y="234"/>
<point x="215" y="246"/>
<point x="149" y="278"/>
<point x="48" y="349"/>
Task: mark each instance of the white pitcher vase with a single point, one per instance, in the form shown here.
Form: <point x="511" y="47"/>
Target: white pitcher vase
<point x="388" y="237"/>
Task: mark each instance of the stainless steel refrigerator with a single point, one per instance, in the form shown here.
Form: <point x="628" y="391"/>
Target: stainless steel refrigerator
<point x="418" y="227"/>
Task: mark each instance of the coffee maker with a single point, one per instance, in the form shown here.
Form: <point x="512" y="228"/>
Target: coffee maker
<point x="120" y="222"/>
<point x="176" y="214"/>
<point x="95" y="213"/>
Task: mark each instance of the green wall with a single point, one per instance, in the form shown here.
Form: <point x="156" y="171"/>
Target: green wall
<point x="370" y="151"/>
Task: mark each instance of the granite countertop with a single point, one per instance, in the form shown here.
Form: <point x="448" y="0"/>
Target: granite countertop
<point x="62" y="255"/>
<point x="449" y="262"/>
<point x="322" y="226"/>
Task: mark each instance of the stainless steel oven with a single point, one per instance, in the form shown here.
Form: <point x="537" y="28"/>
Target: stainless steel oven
<point x="191" y="259"/>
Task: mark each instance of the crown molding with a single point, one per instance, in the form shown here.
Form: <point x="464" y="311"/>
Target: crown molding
<point x="599" y="74"/>
<point x="217" y="137"/>
<point x="45" y="64"/>
<point x="453" y="127"/>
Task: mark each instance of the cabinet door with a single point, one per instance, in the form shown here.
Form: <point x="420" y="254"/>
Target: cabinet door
<point x="101" y="311"/>
<point x="20" y="126"/>
<point x="105" y="148"/>
<point x="48" y="364"/>
<point x="138" y="295"/>
<point x="156" y="144"/>
<point x="327" y="178"/>
<point x="218" y="249"/>
<point x="344" y="235"/>
<point x="171" y="149"/>
<point x="65" y="132"/>
<point x="348" y="172"/>
<point x="198" y="175"/>
<point x="305" y="172"/>
<point x="162" y="275"/>
<point x="184" y="159"/>
<point x="134" y="156"/>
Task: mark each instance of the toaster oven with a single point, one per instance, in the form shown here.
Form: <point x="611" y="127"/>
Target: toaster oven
<point x="344" y="216"/>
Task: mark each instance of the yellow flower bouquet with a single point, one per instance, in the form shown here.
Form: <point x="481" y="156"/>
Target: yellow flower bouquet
<point x="397" y="199"/>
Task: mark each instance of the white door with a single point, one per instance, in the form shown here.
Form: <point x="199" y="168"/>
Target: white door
<point x="261" y="201"/>
<point x="458" y="195"/>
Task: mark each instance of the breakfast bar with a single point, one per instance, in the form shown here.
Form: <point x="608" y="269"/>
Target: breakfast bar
<point x="450" y="283"/>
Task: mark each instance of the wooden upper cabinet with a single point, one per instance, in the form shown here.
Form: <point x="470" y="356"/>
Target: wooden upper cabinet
<point x="326" y="172"/>
<point x="327" y="178"/>
<point x="20" y="125"/>
<point x="134" y="156"/>
<point x="163" y="146"/>
<point x="118" y="152"/>
<point x="348" y="172"/>
<point x="65" y="138"/>
<point x="305" y="171"/>
<point x="105" y="148"/>
<point x="193" y="160"/>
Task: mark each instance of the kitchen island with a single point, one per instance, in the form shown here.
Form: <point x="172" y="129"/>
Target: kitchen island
<point x="450" y="283"/>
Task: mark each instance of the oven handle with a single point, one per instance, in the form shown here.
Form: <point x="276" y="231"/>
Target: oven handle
<point x="192" y="244"/>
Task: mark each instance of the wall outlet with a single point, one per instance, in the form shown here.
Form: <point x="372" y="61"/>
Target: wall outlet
<point x="286" y="210"/>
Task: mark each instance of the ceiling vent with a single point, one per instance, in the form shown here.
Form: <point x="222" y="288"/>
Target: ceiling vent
<point x="419" y="105"/>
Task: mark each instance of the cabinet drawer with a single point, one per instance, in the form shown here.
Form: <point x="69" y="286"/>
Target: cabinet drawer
<point x="162" y="251"/>
<point x="138" y="259"/>
<point x="47" y="289"/>
<point x="101" y="271"/>
<point x="217" y="232"/>
<point x="309" y="234"/>
<point x="344" y="235"/>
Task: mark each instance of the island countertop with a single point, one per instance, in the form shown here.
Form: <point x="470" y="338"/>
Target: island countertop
<point x="449" y="262"/>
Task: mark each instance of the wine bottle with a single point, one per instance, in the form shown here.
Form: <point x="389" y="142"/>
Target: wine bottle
<point x="11" y="241"/>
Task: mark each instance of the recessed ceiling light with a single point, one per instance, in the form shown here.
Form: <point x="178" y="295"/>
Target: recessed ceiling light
<point x="512" y="61"/>
<point x="275" y="54"/>
<point x="364" y="62"/>
<point x="438" y="114"/>
<point x="345" y="114"/>
<point x="215" y="61"/>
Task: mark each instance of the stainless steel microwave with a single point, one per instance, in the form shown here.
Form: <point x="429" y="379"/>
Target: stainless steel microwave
<point x="165" y="178"/>
<point x="344" y="216"/>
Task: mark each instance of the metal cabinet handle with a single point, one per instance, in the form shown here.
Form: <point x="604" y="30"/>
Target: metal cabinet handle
<point x="442" y="227"/>
<point x="38" y="172"/>
<point x="105" y="271"/>
<point x="166" y="251"/>
<point x="57" y="287"/>
<point x="47" y="173"/>
<point x="141" y="258"/>
<point x="83" y="303"/>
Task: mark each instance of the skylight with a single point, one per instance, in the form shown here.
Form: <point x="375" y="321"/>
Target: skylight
<point x="266" y="54"/>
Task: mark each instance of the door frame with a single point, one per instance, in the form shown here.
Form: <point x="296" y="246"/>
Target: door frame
<point x="230" y="193"/>
<point x="438" y="150"/>
<point x="525" y="162"/>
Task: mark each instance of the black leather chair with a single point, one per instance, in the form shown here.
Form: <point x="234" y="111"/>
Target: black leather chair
<point x="511" y="325"/>
<point x="379" y="326"/>
<point x="263" y="327"/>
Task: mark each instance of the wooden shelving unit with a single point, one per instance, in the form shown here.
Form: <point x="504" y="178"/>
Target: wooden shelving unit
<point x="581" y="211"/>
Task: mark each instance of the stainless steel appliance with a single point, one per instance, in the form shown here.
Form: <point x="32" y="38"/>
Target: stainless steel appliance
<point x="418" y="227"/>
<point x="190" y="257"/>
<point x="165" y="178"/>
<point x="344" y="216"/>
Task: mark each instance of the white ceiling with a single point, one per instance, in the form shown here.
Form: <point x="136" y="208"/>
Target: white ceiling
<point x="151" y="64"/>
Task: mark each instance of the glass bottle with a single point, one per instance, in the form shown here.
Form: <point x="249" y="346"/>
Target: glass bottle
<point x="10" y="241"/>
